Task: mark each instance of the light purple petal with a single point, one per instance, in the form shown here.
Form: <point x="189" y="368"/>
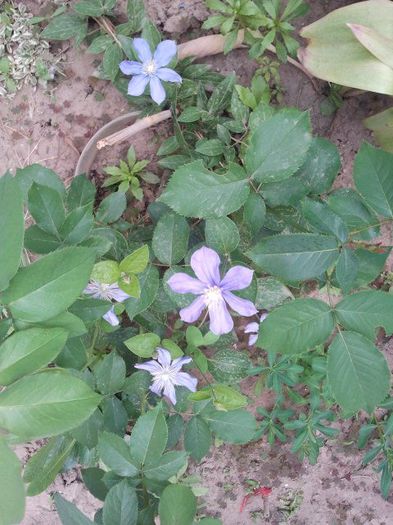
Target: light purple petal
<point x="118" y="294"/>
<point x="252" y="339"/>
<point x="156" y="387"/>
<point x="190" y="313"/>
<point x="237" y="278"/>
<point x="164" y="357"/>
<point x="151" y="366"/>
<point x="184" y="379"/>
<point x="130" y="67"/>
<point x="184" y="360"/>
<point x="168" y="75"/>
<point x="164" y="53"/>
<point x="251" y="328"/>
<point x="263" y="317"/>
<point x="111" y="318"/>
<point x="220" y="320"/>
<point x="137" y="85"/>
<point x="206" y="264"/>
<point x="142" y="49"/>
<point x="169" y="391"/>
<point x="241" y="306"/>
<point x="157" y="91"/>
<point x="183" y="283"/>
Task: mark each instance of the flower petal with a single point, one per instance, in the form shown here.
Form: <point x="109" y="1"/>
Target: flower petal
<point x="111" y="318"/>
<point x="137" y="84"/>
<point x="169" y="391"/>
<point x="156" y="387"/>
<point x="142" y="49"/>
<point x="130" y="67"/>
<point x="118" y="294"/>
<point x="181" y="361"/>
<point x="241" y="306"/>
<point x="190" y="313"/>
<point x="206" y="264"/>
<point x="237" y="278"/>
<point x="184" y="379"/>
<point x="220" y="320"/>
<point x="164" y="52"/>
<point x="164" y="357"/>
<point x="183" y="283"/>
<point x="252" y="339"/>
<point x="157" y="91"/>
<point x="151" y="366"/>
<point x="169" y="75"/>
<point x="263" y="317"/>
<point x="251" y="328"/>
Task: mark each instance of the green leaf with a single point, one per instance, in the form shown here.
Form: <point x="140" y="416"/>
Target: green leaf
<point x="39" y="174"/>
<point x="321" y="166"/>
<point x="121" y="505"/>
<point x="322" y="219"/>
<point x="29" y="350"/>
<point x="282" y="193"/>
<point x="221" y="95"/>
<point x="90" y="310"/>
<point x="110" y="63"/>
<point x="271" y="293"/>
<point x="149" y="436"/>
<point x="12" y="490"/>
<point x="190" y="114"/>
<point x="149" y="282"/>
<point x="136" y="262"/>
<point x="358" y="373"/>
<point x="110" y="374"/>
<point x="177" y="506"/>
<point x="236" y="426"/>
<point x="45" y="404"/>
<point x="224" y="397"/>
<point x="296" y="326"/>
<point x="222" y="235"/>
<point x="168" y="465"/>
<point x="136" y="14"/>
<point x="89" y="8"/>
<point x="381" y="126"/>
<point x="278" y="146"/>
<point x="370" y="266"/>
<point x="170" y="238"/>
<point x="12" y="228"/>
<point x="254" y="212"/>
<point x="111" y="208"/>
<point x="143" y="345"/>
<point x="296" y="256"/>
<point x="115" y="453"/>
<point x="99" y="44"/>
<point x="73" y="354"/>
<point x="361" y="222"/>
<point x="375" y="42"/>
<point x="39" y="241"/>
<point x="347" y="269"/>
<point x="92" y="478"/>
<point x="373" y="176"/>
<point x="64" y="27"/>
<point x="194" y="191"/>
<point x="229" y="366"/>
<point x="77" y="226"/>
<point x="197" y="438"/>
<point x="366" y="311"/>
<point x="69" y="514"/>
<point x="42" y="468"/>
<point x="50" y="285"/>
<point x="209" y="147"/>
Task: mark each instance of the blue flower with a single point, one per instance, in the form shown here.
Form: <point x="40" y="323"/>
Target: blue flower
<point x="150" y="69"/>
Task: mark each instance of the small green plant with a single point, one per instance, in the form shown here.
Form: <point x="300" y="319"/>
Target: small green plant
<point x="126" y="175"/>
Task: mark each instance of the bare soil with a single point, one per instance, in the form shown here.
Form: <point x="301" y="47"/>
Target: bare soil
<point x="51" y="127"/>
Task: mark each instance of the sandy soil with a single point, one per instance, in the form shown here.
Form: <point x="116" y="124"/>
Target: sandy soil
<point x="52" y="127"/>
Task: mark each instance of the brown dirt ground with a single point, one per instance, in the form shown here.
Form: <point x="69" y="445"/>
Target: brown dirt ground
<point x="51" y="127"/>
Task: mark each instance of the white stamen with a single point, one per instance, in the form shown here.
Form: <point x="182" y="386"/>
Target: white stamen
<point x="212" y="295"/>
<point x="149" y="68"/>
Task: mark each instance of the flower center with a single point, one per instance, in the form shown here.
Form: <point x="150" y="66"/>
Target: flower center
<point x="212" y="295"/>
<point x="150" y="67"/>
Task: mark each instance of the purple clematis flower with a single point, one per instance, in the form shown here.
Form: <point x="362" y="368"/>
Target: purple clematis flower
<point x="150" y="70"/>
<point x="167" y="374"/>
<point x="213" y="292"/>
<point x="253" y="330"/>
<point x="108" y="292"/>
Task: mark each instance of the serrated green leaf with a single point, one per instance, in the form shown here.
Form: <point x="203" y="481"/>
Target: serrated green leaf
<point x="166" y="466"/>
<point x="347" y="269"/>
<point x="115" y="453"/>
<point x="177" y="506"/>
<point x="322" y="219"/>
<point x="111" y="208"/>
<point x="170" y="238"/>
<point x="112" y="57"/>
<point x="321" y="166"/>
<point x="110" y="374"/>
<point x="222" y="235"/>
<point x="271" y="293"/>
<point x="143" y="345"/>
<point x="64" y="27"/>
<point x="197" y="438"/>
<point x="149" y="283"/>
<point x="229" y="366"/>
<point x="236" y="426"/>
<point x="121" y="505"/>
<point x="12" y="491"/>
<point x="149" y="436"/>
<point x="69" y="514"/>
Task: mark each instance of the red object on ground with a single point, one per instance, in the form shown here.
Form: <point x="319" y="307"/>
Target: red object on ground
<point x="259" y="491"/>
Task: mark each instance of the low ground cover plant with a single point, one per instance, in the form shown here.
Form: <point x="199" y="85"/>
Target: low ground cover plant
<point x="125" y="344"/>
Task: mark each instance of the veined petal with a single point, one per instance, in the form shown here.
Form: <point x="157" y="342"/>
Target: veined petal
<point x="117" y="293"/>
<point x="183" y="283"/>
<point x="241" y="306"/>
<point x="169" y="391"/>
<point x="150" y="366"/>
<point x="251" y="328"/>
<point x="252" y="339"/>
<point x="237" y="278"/>
<point x="137" y="85"/>
<point x="164" y="357"/>
<point x="184" y="379"/>
<point x="130" y="67"/>
<point x="111" y="318"/>
<point x="169" y="75"/>
<point x="181" y="361"/>
<point x="156" y="387"/>
<point x="190" y="313"/>
<point x="220" y="319"/>
<point x="164" y="52"/>
<point x="142" y="49"/>
<point x="263" y="317"/>
<point x="206" y="264"/>
<point x="157" y="91"/>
